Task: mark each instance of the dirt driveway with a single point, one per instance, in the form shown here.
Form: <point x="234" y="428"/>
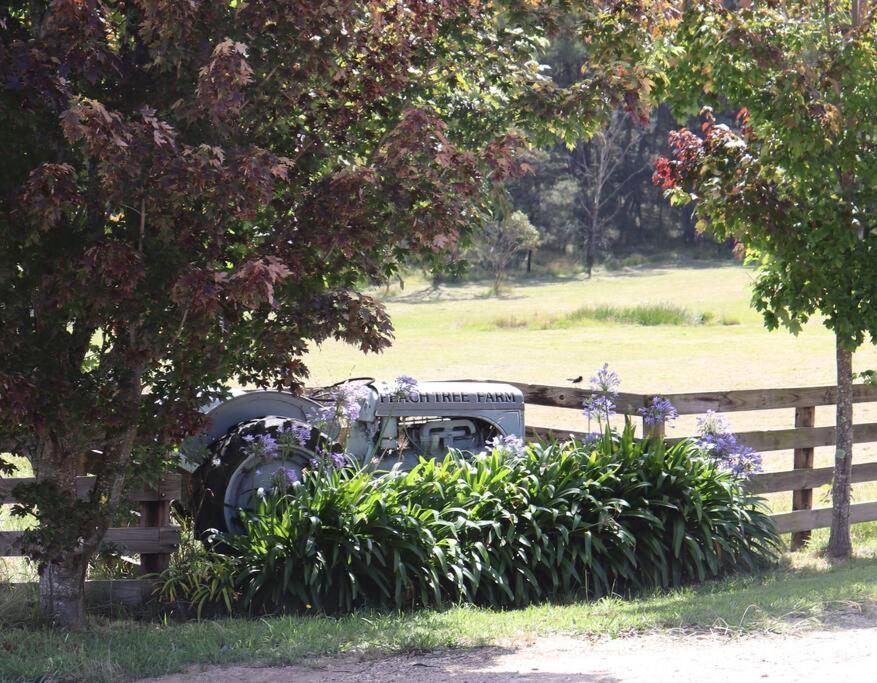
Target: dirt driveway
<point x="841" y="655"/>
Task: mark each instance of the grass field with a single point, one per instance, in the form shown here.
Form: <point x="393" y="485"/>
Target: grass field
<point x="458" y="331"/>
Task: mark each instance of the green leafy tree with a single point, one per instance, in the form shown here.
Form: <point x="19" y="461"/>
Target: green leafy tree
<point x="795" y="182"/>
<point x="498" y="242"/>
<point x="191" y="193"/>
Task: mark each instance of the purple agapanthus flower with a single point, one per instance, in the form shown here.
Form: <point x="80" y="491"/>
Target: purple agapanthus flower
<point x="717" y="439"/>
<point x="294" y="436"/>
<point x="261" y="445"/>
<point x="598" y="407"/>
<point x="744" y="462"/>
<point x="324" y="457"/>
<point x="509" y="445"/>
<point x="403" y="386"/>
<point x="346" y="405"/>
<point x="713" y="423"/>
<point x="590" y="438"/>
<point x="323" y="415"/>
<point x="287" y="476"/>
<point x="606" y="381"/>
<point x="338" y="459"/>
<point x="658" y="411"/>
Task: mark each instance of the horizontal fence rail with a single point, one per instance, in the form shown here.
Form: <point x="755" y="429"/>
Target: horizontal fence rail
<point x="764" y="441"/>
<point x="154" y="540"/>
<point x="168" y="489"/>
<point x="802" y="439"/>
<point x="701" y="402"/>
<point x="148" y="540"/>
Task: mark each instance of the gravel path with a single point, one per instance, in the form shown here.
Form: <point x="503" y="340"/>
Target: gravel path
<point x="842" y="655"/>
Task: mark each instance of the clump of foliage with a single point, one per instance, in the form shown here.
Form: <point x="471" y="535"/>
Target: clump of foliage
<point x="499" y="241"/>
<point x="508" y="527"/>
<point x="647" y="315"/>
<point x="717" y="439"/>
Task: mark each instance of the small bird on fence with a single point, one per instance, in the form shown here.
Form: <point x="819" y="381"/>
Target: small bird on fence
<point x="574" y="380"/>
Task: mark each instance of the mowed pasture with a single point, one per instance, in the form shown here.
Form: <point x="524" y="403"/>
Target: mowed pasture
<point x="536" y="332"/>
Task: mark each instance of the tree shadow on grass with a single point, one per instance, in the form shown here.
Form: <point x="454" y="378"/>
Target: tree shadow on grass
<point x="481" y="288"/>
<point x="448" y="294"/>
<point x="473" y="665"/>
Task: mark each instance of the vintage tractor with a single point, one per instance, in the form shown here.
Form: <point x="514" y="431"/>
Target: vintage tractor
<point x="389" y="426"/>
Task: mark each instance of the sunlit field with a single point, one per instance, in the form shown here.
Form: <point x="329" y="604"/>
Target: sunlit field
<point x="530" y="334"/>
<point x="461" y="331"/>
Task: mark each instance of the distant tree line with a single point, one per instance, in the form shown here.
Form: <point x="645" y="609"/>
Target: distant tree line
<point x="596" y="197"/>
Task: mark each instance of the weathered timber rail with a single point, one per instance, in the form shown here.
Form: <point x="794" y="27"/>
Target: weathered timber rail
<point x="802" y="438"/>
<point x="154" y="540"/>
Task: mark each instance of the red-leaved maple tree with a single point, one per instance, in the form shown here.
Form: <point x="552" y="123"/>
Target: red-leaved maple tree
<point x="192" y="192"/>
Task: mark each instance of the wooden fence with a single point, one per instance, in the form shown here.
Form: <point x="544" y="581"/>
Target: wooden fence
<point x="154" y="539"/>
<point x="802" y="438"/>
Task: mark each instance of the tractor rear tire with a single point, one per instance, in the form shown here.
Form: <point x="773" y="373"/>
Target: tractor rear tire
<point x="209" y="484"/>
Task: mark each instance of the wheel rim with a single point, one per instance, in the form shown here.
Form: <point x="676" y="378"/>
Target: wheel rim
<point x="256" y="476"/>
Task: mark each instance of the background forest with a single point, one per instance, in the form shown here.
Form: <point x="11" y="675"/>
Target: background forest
<point x="593" y="201"/>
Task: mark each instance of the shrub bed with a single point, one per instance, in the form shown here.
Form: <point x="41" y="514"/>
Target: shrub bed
<point x="556" y="521"/>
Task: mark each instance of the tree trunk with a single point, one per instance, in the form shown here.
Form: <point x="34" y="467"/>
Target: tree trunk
<point x="62" y="590"/>
<point x="839" y="543"/>
<point x="589" y="256"/>
<point x="66" y="541"/>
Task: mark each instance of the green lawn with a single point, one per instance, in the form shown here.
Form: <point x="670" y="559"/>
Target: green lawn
<point x="453" y="332"/>
<point x="806" y="593"/>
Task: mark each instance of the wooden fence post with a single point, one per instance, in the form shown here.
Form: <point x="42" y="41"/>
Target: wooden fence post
<point x="802" y="499"/>
<point x="154" y="513"/>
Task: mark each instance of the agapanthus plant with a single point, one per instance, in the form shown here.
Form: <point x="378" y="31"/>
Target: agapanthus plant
<point x="404" y="386"/>
<point x="293" y="436"/>
<point x="263" y="445"/>
<point x="606" y="381"/>
<point x="510" y="446"/>
<point x="286" y="477"/>
<point x="600" y="405"/>
<point x="329" y="458"/>
<point x="716" y="438"/>
<point x="280" y="444"/>
<point x="344" y="406"/>
<point x="658" y="411"/>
